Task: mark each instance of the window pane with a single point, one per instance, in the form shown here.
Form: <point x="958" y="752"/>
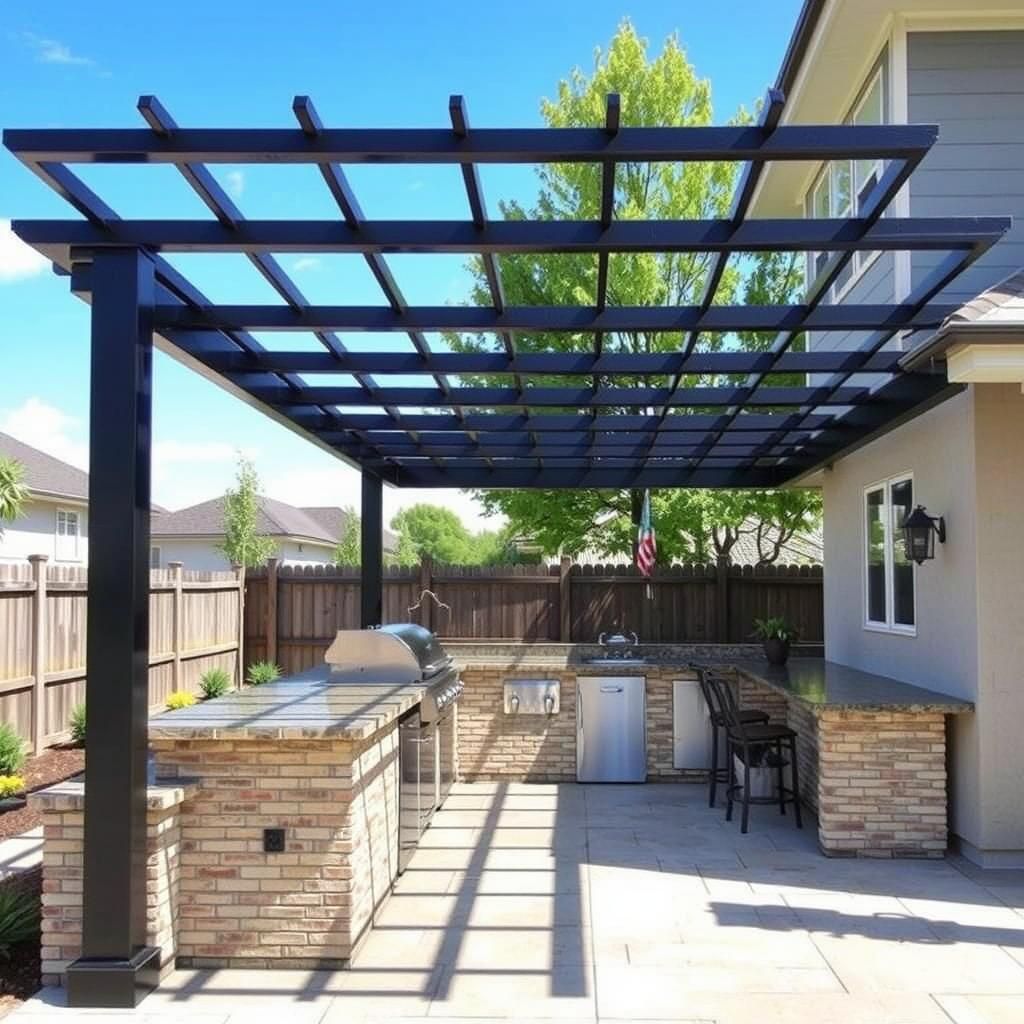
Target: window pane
<point x="821" y="207"/>
<point x="875" y="527"/>
<point x="841" y="188"/>
<point x="902" y="567"/>
<point x="870" y="109"/>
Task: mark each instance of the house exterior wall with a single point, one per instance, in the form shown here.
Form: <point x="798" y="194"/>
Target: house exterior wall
<point x="967" y="459"/>
<point x="972" y="85"/>
<point x="202" y="553"/>
<point x="35" y="533"/>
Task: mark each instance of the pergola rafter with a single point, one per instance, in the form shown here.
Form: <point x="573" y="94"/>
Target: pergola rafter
<point x="584" y="421"/>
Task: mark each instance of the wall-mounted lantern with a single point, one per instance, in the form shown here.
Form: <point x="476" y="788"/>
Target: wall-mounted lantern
<point x="920" y="531"/>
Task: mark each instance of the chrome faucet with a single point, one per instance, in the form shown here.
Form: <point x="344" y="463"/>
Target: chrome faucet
<point x="618" y="645"/>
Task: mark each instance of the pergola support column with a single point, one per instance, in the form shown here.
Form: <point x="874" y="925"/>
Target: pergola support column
<point x="372" y="545"/>
<point x="116" y="968"/>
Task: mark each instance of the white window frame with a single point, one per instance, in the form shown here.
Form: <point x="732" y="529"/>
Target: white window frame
<point x="154" y="549"/>
<point x="889" y="561"/>
<point x="860" y="261"/>
<point x="59" y="554"/>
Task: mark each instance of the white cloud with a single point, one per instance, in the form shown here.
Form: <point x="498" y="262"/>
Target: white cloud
<point x="235" y="183"/>
<point x="17" y="260"/>
<point x="51" y="430"/>
<point x="187" y="472"/>
<point x="52" y="51"/>
<point x="304" y="263"/>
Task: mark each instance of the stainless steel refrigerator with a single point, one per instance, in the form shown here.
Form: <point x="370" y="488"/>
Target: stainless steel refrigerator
<point x="611" y="731"/>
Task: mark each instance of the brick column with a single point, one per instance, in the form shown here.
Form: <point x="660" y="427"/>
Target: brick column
<point x="882" y="783"/>
<point x="63" y="810"/>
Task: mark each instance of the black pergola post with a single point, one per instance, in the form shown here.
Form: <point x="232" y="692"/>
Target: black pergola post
<point x="372" y="540"/>
<point x="116" y="968"/>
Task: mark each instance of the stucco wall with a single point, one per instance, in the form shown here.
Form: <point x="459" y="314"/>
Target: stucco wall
<point x="35" y="533"/>
<point x="938" y="449"/>
<point x="201" y="553"/>
<point x="967" y="457"/>
<point x="999" y="461"/>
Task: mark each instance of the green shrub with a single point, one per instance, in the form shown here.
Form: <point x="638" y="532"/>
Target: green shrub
<point x="215" y="683"/>
<point x="77" y="725"/>
<point x="180" y="699"/>
<point x="12" y="750"/>
<point x="11" y="785"/>
<point x="19" y="918"/>
<point x="261" y="672"/>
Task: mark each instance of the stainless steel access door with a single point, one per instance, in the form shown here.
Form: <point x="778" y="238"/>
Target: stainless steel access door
<point x="611" y="729"/>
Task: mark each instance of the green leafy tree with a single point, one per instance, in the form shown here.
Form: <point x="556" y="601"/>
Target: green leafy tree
<point x="243" y="544"/>
<point x="432" y="530"/>
<point x="13" y="490"/>
<point x="349" y="550"/>
<point x="664" y="90"/>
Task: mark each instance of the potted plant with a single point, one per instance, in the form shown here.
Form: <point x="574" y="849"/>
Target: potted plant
<point x="776" y="635"/>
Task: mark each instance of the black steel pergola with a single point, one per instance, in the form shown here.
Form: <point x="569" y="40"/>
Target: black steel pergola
<point x="697" y="428"/>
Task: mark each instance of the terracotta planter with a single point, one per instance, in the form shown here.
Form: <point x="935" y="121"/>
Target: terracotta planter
<point x="776" y="651"/>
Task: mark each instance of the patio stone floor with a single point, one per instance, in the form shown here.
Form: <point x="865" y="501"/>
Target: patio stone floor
<point x="631" y="903"/>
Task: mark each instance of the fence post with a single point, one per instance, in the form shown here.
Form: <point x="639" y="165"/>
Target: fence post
<point x="272" y="564"/>
<point x="722" y="600"/>
<point x="39" y="652"/>
<point x="426" y="583"/>
<point x="177" y="623"/>
<point x="564" y="599"/>
<point x="240" y="656"/>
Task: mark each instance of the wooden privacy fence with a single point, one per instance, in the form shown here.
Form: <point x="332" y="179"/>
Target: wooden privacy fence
<point x="194" y="625"/>
<point x="292" y="614"/>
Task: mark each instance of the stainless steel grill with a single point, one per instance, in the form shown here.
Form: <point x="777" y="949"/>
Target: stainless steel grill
<point x="399" y="654"/>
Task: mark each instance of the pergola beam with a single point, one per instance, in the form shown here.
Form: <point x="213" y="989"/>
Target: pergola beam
<point x="567" y="319"/>
<point x="844" y="235"/>
<point x="535" y="363"/>
<point x="487" y="145"/>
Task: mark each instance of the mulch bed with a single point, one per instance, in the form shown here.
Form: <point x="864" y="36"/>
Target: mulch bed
<point x="54" y="765"/>
<point x="19" y="973"/>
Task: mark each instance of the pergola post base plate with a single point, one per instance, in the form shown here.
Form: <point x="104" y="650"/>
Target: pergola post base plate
<point x="110" y="983"/>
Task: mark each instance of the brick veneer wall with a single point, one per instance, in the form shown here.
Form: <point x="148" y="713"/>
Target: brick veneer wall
<point x="541" y="748"/>
<point x="882" y="789"/>
<point x="62" y="808"/>
<point x="308" y="906"/>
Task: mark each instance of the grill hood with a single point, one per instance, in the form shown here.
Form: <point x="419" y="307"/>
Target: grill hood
<point x="401" y="653"/>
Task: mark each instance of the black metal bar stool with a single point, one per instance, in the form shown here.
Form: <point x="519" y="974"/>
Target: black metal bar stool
<point x="719" y="725"/>
<point x="741" y="737"/>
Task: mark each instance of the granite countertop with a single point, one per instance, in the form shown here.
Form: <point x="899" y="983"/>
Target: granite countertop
<point x="303" y="706"/>
<point x="552" y="655"/>
<point x="826" y="685"/>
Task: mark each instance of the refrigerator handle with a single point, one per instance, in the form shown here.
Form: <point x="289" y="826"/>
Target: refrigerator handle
<point x="581" y="732"/>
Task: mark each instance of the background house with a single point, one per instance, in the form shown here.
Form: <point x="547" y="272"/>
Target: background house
<point x="304" y="536"/>
<point x="55" y="520"/>
<point x="952" y="624"/>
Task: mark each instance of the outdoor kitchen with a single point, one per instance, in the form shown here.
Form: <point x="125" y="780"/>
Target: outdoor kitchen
<point x="280" y="816"/>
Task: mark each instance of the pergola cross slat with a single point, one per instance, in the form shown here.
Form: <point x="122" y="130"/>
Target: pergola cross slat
<point x="738" y="413"/>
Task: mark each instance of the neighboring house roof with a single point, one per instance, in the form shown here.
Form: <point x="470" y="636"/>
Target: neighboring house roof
<point x="1003" y="303"/>
<point x="45" y="475"/>
<point x="800" y="549"/>
<point x="324" y="525"/>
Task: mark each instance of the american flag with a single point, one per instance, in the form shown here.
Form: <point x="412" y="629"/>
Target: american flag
<point x="646" y="547"/>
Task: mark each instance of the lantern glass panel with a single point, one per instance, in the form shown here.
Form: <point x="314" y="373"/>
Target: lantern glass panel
<point x="902" y="503"/>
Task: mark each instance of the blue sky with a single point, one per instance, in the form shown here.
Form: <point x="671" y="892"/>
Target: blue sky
<point x="67" y="64"/>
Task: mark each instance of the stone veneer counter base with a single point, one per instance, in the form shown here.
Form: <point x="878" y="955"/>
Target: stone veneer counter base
<point x="872" y="750"/>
